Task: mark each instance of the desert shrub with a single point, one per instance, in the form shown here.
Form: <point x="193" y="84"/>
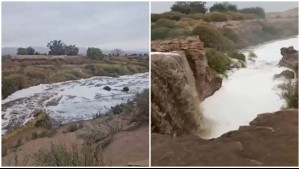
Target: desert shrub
<point x="173" y="15"/>
<point x="60" y="155"/>
<point x="41" y="119"/>
<point x="238" y="56"/>
<point x="107" y="88"/>
<point x="125" y="89"/>
<point x="289" y="93"/>
<point x="141" y="110"/>
<point x="196" y="16"/>
<point x="218" y="61"/>
<point x="11" y="84"/>
<point x="112" y="70"/>
<point x="212" y="38"/>
<point x="34" y="135"/>
<point x="35" y="72"/>
<point x="217" y="17"/>
<point x="61" y="76"/>
<point x="43" y="134"/>
<point x="74" y="127"/>
<point x="163" y="22"/>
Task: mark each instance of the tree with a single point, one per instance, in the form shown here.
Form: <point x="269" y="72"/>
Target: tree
<point x="258" y="11"/>
<point x="223" y="7"/>
<point x="71" y="50"/>
<point x="30" y="51"/>
<point x="22" y="51"/>
<point x="37" y="53"/>
<point x="117" y="52"/>
<point x="94" y="53"/>
<point x="189" y="7"/>
<point x="56" y="47"/>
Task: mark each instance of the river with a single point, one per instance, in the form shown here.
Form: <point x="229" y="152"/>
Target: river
<point x="247" y="92"/>
<point x="72" y="100"/>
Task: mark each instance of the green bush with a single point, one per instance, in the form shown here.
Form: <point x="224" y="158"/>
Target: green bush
<point x="126" y="89"/>
<point x="218" y="61"/>
<point x="238" y="56"/>
<point x="160" y="33"/>
<point x="212" y="38"/>
<point x="107" y="88"/>
<point x="94" y="53"/>
<point x="289" y="92"/>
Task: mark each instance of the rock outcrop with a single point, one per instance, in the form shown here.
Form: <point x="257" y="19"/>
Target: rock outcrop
<point x="206" y="79"/>
<point x="289" y="58"/>
<point x="288" y="74"/>
<point x="181" y="79"/>
<point x="270" y="140"/>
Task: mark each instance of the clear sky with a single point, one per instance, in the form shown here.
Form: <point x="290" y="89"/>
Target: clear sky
<point x="107" y="25"/>
<point x="159" y="7"/>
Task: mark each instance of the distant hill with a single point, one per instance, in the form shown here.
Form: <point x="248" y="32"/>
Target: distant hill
<point x="291" y="13"/>
<point x="82" y="50"/>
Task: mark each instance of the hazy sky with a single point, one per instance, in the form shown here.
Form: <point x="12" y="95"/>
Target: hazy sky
<point x="107" y="25"/>
<point x="159" y="7"/>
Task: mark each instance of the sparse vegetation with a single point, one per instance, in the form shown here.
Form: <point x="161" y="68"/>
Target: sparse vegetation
<point x="289" y="92"/>
<point x="74" y="127"/>
<point x="60" y="155"/>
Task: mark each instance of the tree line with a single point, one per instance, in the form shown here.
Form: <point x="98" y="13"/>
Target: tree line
<point x="200" y="7"/>
<point x="57" y="47"/>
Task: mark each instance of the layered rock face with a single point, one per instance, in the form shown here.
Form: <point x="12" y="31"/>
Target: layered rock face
<point x="290" y="58"/>
<point x="181" y="79"/>
<point x="206" y="79"/>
